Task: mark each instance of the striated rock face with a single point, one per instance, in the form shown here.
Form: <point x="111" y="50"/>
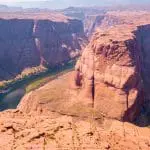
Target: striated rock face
<point x="81" y="109"/>
<point x="112" y="71"/>
<point x="57" y="41"/>
<point x="111" y="77"/>
<point x="29" y="41"/>
<point x="143" y="39"/>
<point x="17" y="47"/>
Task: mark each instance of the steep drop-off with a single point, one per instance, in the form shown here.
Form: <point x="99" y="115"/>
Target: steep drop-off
<point x="114" y="69"/>
<point x="81" y="109"/>
<point x="27" y="42"/>
<point x="17" y="47"/>
<point x="109" y="19"/>
<point x="109" y="79"/>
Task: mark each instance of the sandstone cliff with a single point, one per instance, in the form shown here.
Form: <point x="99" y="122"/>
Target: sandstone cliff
<point x="114" y="69"/>
<point x="31" y="40"/>
<point x="111" y="76"/>
<point x="81" y="109"/>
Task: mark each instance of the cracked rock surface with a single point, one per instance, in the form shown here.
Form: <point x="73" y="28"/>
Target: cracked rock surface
<point x="54" y="131"/>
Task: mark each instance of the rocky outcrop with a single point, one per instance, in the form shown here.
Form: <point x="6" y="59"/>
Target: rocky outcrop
<point x="52" y="118"/>
<point x="62" y="40"/>
<point x="112" y="71"/>
<point x="30" y="41"/>
<point x="54" y="131"/>
<point x="110" y="77"/>
<point x="81" y="109"/>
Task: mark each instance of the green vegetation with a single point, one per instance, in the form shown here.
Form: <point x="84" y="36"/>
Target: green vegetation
<point x="48" y="76"/>
<point x="34" y="81"/>
<point x="14" y="90"/>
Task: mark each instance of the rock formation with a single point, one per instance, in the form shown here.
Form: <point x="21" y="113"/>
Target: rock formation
<point x="31" y="40"/>
<point x="111" y="76"/>
<point x="111" y="68"/>
<point x="54" y="131"/>
<point x="42" y="121"/>
<point x="87" y="108"/>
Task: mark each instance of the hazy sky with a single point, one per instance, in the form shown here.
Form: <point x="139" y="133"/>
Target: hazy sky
<point x="66" y="3"/>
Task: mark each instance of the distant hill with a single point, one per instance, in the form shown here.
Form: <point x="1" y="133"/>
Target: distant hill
<point x="60" y="4"/>
<point x="5" y="8"/>
<point x="82" y="12"/>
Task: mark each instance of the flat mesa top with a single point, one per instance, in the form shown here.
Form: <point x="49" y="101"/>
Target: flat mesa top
<point x="131" y="17"/>
<point x="119" y="33"/>
<point x="123" y="31"/>
<point x="53" y="16"/>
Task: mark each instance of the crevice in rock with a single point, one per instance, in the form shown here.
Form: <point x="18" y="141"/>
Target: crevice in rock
<point x="78" y="78"/>
<point x="93" y="90"/>
<point x="111" y="85"/>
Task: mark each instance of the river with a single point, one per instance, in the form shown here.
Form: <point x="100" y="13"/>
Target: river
<point x="12" y="98"/>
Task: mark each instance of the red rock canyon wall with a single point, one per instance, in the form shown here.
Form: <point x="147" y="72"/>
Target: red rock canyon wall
<point x="114" y="69"/>
<point x="28" y="43"/>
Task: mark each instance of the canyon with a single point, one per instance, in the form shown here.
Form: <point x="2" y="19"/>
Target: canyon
<point x="103" y="104"/>
<point x="30" y="41"/>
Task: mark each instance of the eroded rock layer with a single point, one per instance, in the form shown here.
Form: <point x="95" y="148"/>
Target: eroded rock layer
<point x="112" y="71"/>
<point x="79" y="110"/>
<point x="32" y="40"/>
<point x="109" y="76"/>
